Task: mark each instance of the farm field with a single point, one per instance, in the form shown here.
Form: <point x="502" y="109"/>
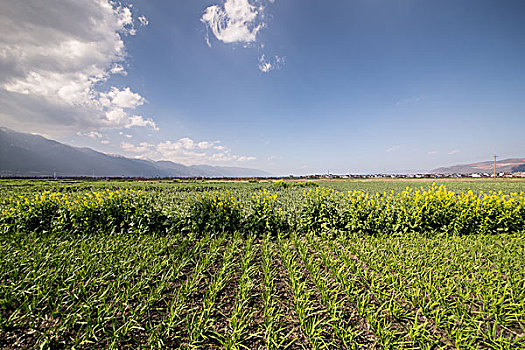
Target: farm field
<point x="261" y="265"/>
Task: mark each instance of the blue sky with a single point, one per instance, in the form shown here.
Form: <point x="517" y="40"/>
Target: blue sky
<point x="290" y="87"/>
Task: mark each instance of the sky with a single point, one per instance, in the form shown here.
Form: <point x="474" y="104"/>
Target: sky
<point x="289" y="87"/>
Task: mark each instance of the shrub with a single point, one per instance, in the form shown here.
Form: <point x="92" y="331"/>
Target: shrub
<point x="93" y="212"/>
<point x="429" y="211"/>
<point x="320" y="210"/>
<point x="215" y="212"/>
<point x="266" y="216"/>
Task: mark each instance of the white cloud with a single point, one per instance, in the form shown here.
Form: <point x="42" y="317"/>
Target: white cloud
<point x="183" y="143"/>
<point x="235" y="21"/>
<point x="244" y="158"/>
<point x="125" y="135"/>
<point x="92" y="134"/>
<point x="177" y="152"/>
<point x="454" y="151"/>
<point x="186" y="151"/>
<point x="117" y="117"/>
<point x="393" y="149"/>
<point x="431" y="153"/>
<point x="226" y="157"/>
<point x="121" y="98"/>
<point x="206" y="144"/>
<point x="239" y="21"/>
<point x="118" y="69"/>
<point x="54" y="58"/>
<point x="137" y="120"/>
<point x="141" y="148"/>
<point x="143" y="20"/>
<point x="265" y="65"/>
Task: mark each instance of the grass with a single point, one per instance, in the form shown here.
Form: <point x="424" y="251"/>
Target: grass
<point x="323" y="288"/>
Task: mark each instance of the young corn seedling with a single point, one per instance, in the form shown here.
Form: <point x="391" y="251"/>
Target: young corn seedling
<point x="275" y="335"/>
<point x="239" y="323"/>
<point x="178" y="305"/>
<point x="199" y="326"/>
<point x="313" y="321"/>
<point x="331" y="295"/>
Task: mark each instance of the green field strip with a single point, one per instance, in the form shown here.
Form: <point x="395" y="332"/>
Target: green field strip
<point x="393" y="324"/>
<point x="483" y="283"/>
<point x="272" y="329"/>
<point x="169" y="332"/>
<point x="452" y="303"/>
<point x="137" y="273"/>
<point x="376" y="315"/>
<point x="290" y="334"/>
<point x="421" y="330"/>
<point x="78" y="291"/>
<point x="371" y="279"/>
<point x="313" y="317"/>
<point x="482" y="304"/>
<point x="168" y="287"/>
<point x="472" y="258"/>
<point x="348" y="326"/>
<point x="200" y="321"/>
<point x="239" y="330"/>
<point x="158" y="279"/>
<point x="277" y="335"/>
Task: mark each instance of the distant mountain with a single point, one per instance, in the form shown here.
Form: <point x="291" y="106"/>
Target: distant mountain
<point x="32" y="155"/>
<point x="511" y="165"/>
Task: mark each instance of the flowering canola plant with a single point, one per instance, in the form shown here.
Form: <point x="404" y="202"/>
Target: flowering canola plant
<point x="267" y="215"/>
<point x="105" y="211"/>
<point x="432" y="210"/>
<point x="215" y="212"/>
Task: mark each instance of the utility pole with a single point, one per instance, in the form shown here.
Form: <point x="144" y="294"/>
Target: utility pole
<point x="495" y="167"/>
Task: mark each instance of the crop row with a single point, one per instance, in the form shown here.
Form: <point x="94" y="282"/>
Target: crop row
<point x="426" y="211"/>
<point x="182" y="291"/>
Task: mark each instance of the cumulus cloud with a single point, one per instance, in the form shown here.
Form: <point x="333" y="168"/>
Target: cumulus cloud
<point x="269" y="64"/>
<point x="142" y="147"/>
<point x="206" y="144"/>
<point x="431" y="153"/>
<point x="91" y="134"/>
<point x="186" y="151"/>
<point x="243" y="158"/>
<point x="125" y="135"/>
<point x="236" y="21"/>
<point x="454" y="151"/>
<point x="143" y="20"/>
<point x="118" y="69"/>
<point x="239" y="21"/>
<point x="121" y="98"/>
<point x="54" y="58"/>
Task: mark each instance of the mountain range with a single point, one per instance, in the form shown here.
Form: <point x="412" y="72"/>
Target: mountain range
<point x="24" y="154"/>
<point x="511" y="165"/>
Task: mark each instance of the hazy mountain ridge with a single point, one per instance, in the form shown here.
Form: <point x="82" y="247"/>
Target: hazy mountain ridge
<point x="510" y="165"/>
<point x="32" y="155"/>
